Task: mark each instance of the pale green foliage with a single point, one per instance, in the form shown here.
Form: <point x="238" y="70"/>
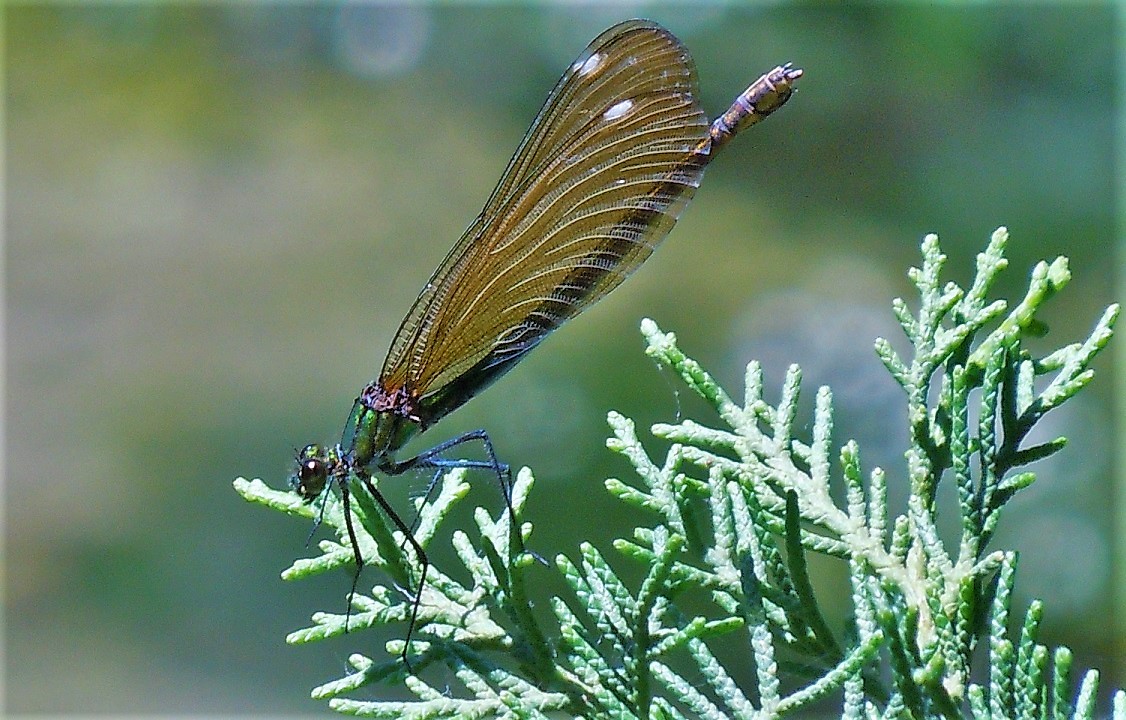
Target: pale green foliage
<point x="735" y="510"/>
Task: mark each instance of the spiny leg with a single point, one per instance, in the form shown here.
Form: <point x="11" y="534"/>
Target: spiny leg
<point x="423" y="560"/>
<point x="347" y="500"/>
<point x="432" y="459"/>
<point x="320" y="514"/>
<point x="426" y="498"/>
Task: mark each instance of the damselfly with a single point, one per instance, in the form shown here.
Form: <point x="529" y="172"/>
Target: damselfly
<point x="609" y="163"/>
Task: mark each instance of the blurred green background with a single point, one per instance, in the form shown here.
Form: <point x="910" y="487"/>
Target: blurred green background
<point x="217" y="216"/>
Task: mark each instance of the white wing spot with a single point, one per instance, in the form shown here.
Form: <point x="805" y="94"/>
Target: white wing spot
<point x="589" y="65"/>
<point x="617" y="110"/>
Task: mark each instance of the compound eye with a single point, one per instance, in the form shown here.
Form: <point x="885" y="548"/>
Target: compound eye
<point x="312" y="474"/>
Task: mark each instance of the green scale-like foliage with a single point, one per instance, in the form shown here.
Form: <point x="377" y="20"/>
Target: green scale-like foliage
<point x="725" y="622"/>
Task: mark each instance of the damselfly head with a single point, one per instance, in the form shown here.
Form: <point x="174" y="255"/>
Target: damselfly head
<point x="312" y="472"/>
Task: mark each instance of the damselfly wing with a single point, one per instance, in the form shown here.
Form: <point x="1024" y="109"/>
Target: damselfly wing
<point x="613" y="157"/>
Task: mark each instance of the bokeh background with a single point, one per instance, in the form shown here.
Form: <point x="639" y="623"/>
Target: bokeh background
<point x="217" y="215"/>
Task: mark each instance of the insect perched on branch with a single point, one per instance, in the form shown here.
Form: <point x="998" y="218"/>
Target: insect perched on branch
<point x="601" y="176"/>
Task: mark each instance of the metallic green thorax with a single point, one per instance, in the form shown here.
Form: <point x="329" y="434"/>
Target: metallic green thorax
<point x="371" y="437"/>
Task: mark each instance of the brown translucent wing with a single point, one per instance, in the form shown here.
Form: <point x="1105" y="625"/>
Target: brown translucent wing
<point x="598" y="181"/>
